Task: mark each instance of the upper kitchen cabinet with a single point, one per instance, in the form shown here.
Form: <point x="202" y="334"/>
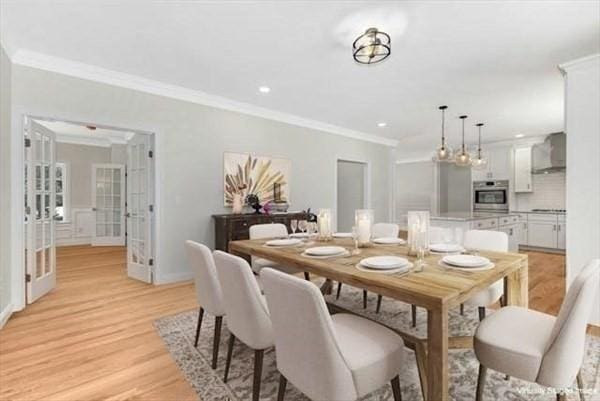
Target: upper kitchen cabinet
<point x="498" y="167"/>
<point x="523" y="180"/>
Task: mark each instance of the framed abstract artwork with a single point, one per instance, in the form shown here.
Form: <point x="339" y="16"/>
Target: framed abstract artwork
<point x="250" y="174"/>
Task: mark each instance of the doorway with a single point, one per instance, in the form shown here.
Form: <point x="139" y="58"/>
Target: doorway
<point x="86" y="185"/>
<point x="352" y="191"/>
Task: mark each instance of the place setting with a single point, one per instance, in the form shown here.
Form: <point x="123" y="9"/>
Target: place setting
<point x="466" y="262"/>
<point x="385" y="265"/>
<point x="325" y="252"/>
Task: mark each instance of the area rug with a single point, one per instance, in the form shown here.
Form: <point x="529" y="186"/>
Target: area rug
<point x="178" y="332"/>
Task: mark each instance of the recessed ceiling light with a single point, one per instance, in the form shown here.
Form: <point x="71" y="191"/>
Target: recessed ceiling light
<point x="519" y="135"/>
<point x="381" y="124"/>
<point x="264" y="89"/>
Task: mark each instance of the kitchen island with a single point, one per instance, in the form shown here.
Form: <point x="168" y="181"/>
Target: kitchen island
<point x="505" y="222"/>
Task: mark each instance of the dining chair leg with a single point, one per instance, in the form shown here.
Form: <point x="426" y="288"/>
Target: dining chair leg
<point x="200" y="316"/>
<point x="364" y="299"/>
<point x="281" y="390"/>
<point x="307" y="276"/>
<point x="378" y="308"/>
<point x="462" y="309"/>
<point x="580" y="386"/>
<point x="396" y="388"/>
<point x="481" y="310"/>
<point x="216" y="340"/>
<point x="480" y="382"/>
<point x="413" y="311"/>
<point x="258" y="362"/>
<point x="339" y="290"/>
<point x="229" y="354"/>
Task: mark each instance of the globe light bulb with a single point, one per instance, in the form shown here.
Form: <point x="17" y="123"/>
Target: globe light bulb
<point x="479" y="163"/>
<point x="443" y="153"/>
<point x="462" y="159"/>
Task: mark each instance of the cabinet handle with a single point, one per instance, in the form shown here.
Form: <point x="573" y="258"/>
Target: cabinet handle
<point x="528" y="185"/>
<point x="554" y="227"/>
<point x="559" y="227"/>
<point x="511" y="232"/>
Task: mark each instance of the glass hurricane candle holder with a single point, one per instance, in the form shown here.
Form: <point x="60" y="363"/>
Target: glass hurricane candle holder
<point x="363" y="221"/>
<point x="418" y="232"/>
<point x="324" y="225"/>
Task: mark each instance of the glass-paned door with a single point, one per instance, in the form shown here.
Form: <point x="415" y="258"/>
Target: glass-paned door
<point x="39" y="208"/>
<point x="140" y="191"/>
<point x="108" y="204"/>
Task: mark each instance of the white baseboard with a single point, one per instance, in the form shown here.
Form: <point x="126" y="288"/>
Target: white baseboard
<point x="173" y="278"/>
<point x="5" y="314"/>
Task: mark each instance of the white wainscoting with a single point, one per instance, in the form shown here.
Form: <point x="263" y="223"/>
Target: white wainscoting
<point x="78" y="231"/>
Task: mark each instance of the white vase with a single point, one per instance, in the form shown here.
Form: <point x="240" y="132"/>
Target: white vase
<point x="238" y="205"/>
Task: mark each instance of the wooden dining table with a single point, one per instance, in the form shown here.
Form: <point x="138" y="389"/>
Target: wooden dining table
<point x="436" y="288"/>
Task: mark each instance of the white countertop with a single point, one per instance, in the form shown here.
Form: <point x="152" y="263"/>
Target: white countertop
<point x="470" y="216"/>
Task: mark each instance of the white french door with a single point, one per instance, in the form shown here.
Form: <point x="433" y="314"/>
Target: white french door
<point x="140" y="195"/>
<point x="108" y="204"/>
<point x="40" y="194"/>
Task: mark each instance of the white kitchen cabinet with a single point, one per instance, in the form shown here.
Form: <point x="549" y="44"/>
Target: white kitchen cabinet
<point x="513" y="232"/>
<point x="523" y="178"/>
<point x="562" y="235"/>
<point x="542" y="234"/>
<point x="498" y="167"/>
<point x="523" y="232"/>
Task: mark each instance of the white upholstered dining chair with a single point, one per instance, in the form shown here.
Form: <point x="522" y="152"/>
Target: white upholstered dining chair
<point x="379" y="230"/>
<point x="248" y="318"/>
<point x="276" y="230"/>
<point x="208" y="291"/>
<point x="483" y="240"/>
<point x="340" y="357"/>
<point x="551" y="351"/>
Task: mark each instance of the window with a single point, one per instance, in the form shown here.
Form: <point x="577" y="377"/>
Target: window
<point x="61" y="211"/>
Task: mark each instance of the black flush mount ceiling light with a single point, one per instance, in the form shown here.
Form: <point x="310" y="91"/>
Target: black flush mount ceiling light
<point x="371" y="47"/>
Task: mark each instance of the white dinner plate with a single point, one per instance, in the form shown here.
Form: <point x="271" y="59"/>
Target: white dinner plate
<point x="342" y="235"/>
<point x="465" y="260"/>
<point x="384" y="262"/>
<point x="283" y="242"/>
<point x="446" y="248"/>
<point x="466" y="269"/>
<point x="400" y="270"/>
<point x="299" y="235"/>
<point x="325" y="250"/>
<point x="389" y="241"/>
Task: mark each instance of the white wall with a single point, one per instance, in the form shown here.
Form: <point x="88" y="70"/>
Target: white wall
<point x="79" y="159"/>
<point x="415" y="189"/>
<point x="191" y="139"/>
<point x="582" y="82"/>
<point x="5" y="183"/>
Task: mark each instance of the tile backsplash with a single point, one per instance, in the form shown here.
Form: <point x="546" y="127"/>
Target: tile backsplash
<point x="549" y="192"/>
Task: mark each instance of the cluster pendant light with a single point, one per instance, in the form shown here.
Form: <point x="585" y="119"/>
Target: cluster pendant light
<point x="463" y="158"/>
<point x="443" y="153"/>
<point x="479" y="163"/>
<point x="372" y="47"/>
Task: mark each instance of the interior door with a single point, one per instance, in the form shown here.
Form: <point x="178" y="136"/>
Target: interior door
<point x="108" y="204"/>
<point x="40" y="210"/>
<point x="140" y="192"/>
<point x="351" y="189"/>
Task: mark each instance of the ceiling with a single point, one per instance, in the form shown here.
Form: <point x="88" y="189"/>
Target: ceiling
<point x="82" y="135"/>
<point x="495" y="61"/>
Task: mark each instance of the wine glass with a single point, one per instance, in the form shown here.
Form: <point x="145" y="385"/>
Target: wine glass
<point x="355" y="251"/>
<point x="294" y="226"/>
<point x="302" y="225"/>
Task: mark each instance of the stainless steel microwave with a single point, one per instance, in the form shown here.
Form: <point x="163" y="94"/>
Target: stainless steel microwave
<point x="490" y="196"/>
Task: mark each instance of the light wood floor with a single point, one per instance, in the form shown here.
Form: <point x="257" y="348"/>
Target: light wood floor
<point x="92" y="337"/>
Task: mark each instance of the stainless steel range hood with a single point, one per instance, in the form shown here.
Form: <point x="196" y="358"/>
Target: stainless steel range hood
<point x="551" y="155"/>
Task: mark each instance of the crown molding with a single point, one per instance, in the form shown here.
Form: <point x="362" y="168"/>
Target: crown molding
<point x="89" y="72"/>
<point x="580" y="62"/>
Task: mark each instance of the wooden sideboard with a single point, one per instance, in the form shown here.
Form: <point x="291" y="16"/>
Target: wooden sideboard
<point x="232" y="227"/>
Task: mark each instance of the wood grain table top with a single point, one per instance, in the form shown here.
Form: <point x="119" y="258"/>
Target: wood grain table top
<point x="433" y="288"/>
